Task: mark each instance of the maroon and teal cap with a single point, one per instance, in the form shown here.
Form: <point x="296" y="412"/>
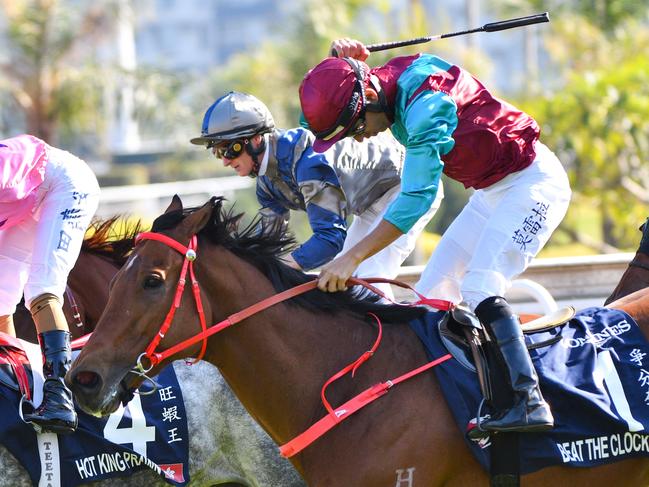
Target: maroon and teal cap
<point x="332" y="96"/>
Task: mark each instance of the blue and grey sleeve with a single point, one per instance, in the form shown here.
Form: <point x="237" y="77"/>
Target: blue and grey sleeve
<point x="326" y="210"/>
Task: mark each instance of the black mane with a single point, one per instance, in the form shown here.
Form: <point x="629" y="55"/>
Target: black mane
<point x="262" y="245"/>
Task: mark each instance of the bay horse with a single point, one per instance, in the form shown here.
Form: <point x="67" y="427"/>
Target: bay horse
<point x="277" y="360"/>
<point x="226" y="446"/>
<point x="103" y="252"/>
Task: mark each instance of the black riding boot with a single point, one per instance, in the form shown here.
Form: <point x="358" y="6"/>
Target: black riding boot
<point x="56" y="413"/>
<point x="530" y="413"/>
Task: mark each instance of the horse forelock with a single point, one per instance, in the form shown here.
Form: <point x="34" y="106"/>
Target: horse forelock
<point x="262" y="245"/>
<point x="104" y="240"/>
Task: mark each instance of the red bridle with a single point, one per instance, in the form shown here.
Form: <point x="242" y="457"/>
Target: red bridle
<point x="188" y="264"/>
<point x="190" y="255"/>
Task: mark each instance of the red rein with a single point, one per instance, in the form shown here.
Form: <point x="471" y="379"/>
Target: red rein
<point x="334" y="416"/>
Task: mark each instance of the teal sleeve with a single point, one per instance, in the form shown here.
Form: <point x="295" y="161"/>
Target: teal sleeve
<point x="429" y="122"/>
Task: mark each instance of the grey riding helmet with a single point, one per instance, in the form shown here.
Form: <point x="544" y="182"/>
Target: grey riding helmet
<point x="234" y="116"/>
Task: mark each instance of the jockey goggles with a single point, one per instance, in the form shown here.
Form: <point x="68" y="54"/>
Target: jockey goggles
<point x="352" y="110"/>
<point x="230" y="150"/>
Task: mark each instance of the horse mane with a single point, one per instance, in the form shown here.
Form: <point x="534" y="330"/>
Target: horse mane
<point x="114" y="245"/>
<point x="262" y="245"/>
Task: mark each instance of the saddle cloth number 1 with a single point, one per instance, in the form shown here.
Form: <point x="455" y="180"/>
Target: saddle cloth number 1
<point x="606" y="374"/>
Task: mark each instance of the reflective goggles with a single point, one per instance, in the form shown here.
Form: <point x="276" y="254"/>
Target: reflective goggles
<point x="228" y="150"/>
<point x="351" y="110"/>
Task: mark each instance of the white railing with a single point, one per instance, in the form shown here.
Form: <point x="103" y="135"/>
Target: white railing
<point x="578" y="281"/>
<point x="540" y="296"/>
<point x="149" y="200"/>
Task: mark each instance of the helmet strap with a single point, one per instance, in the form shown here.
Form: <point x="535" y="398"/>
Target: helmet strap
<point x="382" y="105"/>
<point x="254" y="154"/>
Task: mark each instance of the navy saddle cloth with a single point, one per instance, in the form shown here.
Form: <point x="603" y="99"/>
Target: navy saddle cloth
<point x="594" y="375"/>
<point x="150" y="432"/>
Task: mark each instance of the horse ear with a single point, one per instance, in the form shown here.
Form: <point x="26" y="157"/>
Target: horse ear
<point x="175" y="205"/>
<point x="195" y="221"/>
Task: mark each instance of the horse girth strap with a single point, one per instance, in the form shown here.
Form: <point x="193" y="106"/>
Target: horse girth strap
<point x="190" y="253"/>
<point x="69" y="296"/>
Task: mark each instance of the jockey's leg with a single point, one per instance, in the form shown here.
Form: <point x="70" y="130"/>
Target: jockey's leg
<point x="7" y="325"/>
<point x="15" y="262"/>
<point x="71" y="198"/>
<point x="56" y="412"/>
<point x="530" y="412"/>
<point x="520" y="213"/>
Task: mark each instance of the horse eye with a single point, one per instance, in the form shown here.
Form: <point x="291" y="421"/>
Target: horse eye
<point x="152" y="282"/>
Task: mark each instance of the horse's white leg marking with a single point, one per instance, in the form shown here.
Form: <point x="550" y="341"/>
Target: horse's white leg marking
<point x="405" y="477"/>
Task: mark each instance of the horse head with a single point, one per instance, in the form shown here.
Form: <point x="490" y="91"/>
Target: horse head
<point x="105" y="374"/>
<point x="635" y="277"/>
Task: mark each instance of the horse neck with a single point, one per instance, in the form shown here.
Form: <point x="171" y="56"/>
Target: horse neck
<point x="88" y="281"/>
<point x="277" y="360"/>
<point x="635" y="277"/>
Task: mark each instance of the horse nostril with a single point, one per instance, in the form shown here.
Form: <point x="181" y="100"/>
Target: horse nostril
<point x="87" y="379"/>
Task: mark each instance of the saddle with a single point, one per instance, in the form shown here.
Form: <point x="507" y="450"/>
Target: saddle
<point x="465" y="338"/>
<point x="549" y="321"/>
<point x="462" y="334"/>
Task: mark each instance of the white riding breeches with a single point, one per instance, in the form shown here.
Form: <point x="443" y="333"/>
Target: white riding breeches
<point x="498" y="233"/>
<point x="387" y="262"/>
<point x="37" y="254"/>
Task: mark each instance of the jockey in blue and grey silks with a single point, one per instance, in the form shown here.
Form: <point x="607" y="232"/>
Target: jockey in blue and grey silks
<point x="352" y="178"/>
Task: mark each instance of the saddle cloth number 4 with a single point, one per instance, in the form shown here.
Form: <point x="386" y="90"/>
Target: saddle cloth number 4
<point x="138" y="434"/>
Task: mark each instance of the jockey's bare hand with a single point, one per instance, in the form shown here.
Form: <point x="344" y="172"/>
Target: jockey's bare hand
<point x="350" y="48"/>
<point x="334" y="275"/>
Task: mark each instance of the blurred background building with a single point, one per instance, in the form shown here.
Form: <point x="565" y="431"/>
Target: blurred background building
<point x="184" y="42"/>
<point x="196" y="35"/>
<point x="125" y="83"/>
